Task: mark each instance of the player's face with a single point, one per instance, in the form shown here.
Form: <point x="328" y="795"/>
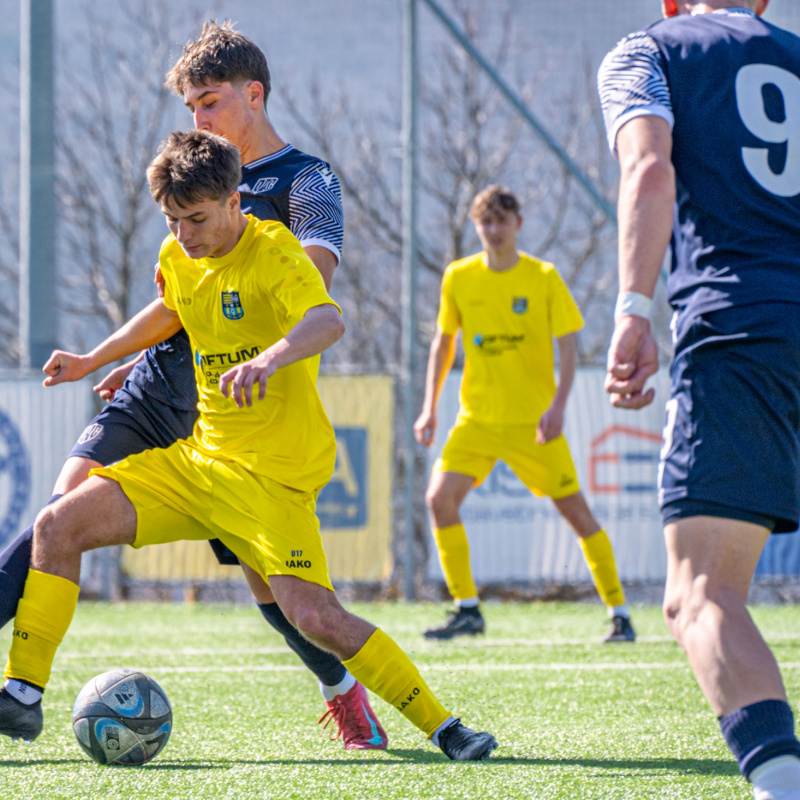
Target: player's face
<point x="227" y="110"/>
<point x="497" y="230"/>
<point x="207" y="229"/>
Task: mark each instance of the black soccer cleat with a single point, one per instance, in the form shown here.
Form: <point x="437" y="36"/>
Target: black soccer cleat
<point x="462" y="622"/>
<point x="622" y="631"/>
<point x="460" y="743"/>
<point x="18" y="720"/>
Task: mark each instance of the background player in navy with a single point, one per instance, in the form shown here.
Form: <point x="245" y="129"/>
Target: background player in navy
<point x="703" y="110"/>
<point x="224" y="80"/>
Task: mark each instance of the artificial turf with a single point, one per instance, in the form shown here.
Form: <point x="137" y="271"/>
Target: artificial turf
<point x="574" y="718"/>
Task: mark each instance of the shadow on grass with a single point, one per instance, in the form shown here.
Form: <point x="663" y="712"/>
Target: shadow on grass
<point x="683" y="766"/>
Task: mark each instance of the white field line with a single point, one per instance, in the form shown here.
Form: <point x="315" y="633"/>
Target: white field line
<point x="465" y="645"/>
<point x="547" y="667"/>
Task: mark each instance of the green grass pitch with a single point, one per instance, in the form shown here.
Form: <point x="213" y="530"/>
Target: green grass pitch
<point x="574" y="718"/>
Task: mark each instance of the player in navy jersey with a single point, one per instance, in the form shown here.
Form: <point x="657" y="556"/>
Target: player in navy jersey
<point x="224" y="80"/>
<point x="703" y="111"/>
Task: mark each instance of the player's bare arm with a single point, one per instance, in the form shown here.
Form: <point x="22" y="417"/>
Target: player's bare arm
<point x="150" y="326"/>
<point x="114" y="380"/>
<point x="321" y="327"/>
<point x="645" y="210"/>
<point x="324" y="260"/>
<point x="440" y="360"/>
<point x="551" y="423"/>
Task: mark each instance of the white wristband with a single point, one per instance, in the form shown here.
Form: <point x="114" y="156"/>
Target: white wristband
<point x="633" y="303"/>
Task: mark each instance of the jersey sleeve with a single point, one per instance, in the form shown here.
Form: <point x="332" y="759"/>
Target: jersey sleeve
<point x="565" y="316"/>
<point x="449" y="319"/>
<point x="632" y="83"/>
<point x="293" y="281"/>
<point x="315" y="208"/>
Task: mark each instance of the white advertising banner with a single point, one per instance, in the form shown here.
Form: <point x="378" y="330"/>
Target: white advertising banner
<point x="38" y="427"/>
<point x="516" y="536"/>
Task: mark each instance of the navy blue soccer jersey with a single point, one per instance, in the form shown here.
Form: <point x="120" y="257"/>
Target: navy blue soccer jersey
<point x="728" y="84"/>
<point x="297" y="189"/>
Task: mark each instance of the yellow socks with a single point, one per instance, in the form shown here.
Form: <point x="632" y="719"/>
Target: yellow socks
<point x="43" y="617"/>
<point x="385" y="669"/>
<point x="454" y="557"/>
<point x="600" y="558"/>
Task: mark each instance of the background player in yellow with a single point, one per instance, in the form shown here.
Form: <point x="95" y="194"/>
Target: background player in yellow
<point x="509" y="307"/>
<point x="257" y="314"/>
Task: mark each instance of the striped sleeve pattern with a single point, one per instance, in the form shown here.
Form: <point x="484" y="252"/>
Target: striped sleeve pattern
<point x="632" y="83"/>
<point x="315" y="208"/>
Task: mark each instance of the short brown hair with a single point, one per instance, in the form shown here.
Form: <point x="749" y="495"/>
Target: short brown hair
<point x="495" y="198"/>
<point x="194" y="166"/>
<point x="220" y="55"/>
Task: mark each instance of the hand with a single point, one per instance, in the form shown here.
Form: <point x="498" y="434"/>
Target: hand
<point x="108" y="386"/>
<point x="158" y="280"/>
<point x="632" y="359"/>
<point x="64" y="367"/>
<point x="425" y="428"/>
<point x="238" y="382"/>
<point x="551" y="423"/>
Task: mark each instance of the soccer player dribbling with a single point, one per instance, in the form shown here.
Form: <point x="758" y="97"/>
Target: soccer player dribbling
<point x="702" y="111"/>
<point x="509" y="307"/>
<point x="224" y="80"/>
<point x="260" y="452"/>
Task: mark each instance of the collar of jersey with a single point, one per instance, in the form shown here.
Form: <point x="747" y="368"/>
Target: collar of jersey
<point x="224" y="261"/>
<point x="271" y="157"/>
<point x="485" y="264"/>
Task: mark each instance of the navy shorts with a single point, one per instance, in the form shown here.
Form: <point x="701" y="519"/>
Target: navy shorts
<point x="129" y="425"/>
<point x="732" y="432"/>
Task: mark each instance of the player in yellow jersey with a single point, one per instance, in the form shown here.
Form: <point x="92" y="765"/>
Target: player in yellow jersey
<point x="258" y="315"/>
<point x="509" y="307"/>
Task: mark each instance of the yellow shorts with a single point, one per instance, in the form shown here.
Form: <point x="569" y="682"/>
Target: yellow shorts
<point x="472" y="448"/>
<point x="180" y="493"/>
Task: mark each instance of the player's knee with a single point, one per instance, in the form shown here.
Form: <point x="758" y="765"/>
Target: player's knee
<point x="440" y="502"/>
<point x="311" y="621"/>
<point x="48" y="529"/>
<point x="686" y="606"/>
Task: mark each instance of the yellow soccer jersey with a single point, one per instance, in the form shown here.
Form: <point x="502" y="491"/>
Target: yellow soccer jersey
<point x="508" y="321"/>
<point x="234" y="308"/>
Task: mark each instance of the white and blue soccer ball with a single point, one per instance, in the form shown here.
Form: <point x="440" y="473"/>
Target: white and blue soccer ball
<point x="122" y="717"/>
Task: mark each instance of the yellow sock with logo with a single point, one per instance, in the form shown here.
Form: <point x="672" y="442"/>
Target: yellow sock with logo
<point x="386" y="670"/>
<point x="43" y="616"/>
<point x="453" y="547"/>
<point x="599" y="556"/>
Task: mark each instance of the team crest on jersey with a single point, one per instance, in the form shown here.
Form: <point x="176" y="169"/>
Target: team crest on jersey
<point x="519" y="305"/>
<point x="264" y="185"/>
<point x="232" y="306"/>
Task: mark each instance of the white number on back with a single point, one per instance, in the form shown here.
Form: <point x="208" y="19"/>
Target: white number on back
<point x="750" y="81"/>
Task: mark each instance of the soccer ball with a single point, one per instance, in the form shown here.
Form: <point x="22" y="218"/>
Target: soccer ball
<point x="122" y="717"/>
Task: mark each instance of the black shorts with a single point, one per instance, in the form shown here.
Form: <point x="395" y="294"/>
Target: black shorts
<point x="732" y="432"/>
<point x="130" y="424"/>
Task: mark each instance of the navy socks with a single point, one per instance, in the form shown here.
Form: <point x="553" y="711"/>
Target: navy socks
<point x="325" y="666"/>
<point x="15" y="561"/>
<point x="760" y="732"/>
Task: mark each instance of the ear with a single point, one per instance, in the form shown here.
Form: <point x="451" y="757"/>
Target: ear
<point x="519" y="221"/>
<point x="234" y="202"/>
<point x="255" y="94"/>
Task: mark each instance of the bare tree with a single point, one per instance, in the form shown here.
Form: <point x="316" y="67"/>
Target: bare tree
<point x="113" y="111"/>
<point x="470" y="137"/>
